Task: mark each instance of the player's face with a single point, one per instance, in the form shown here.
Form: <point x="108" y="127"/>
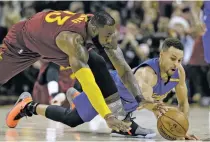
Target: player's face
<point x="107" y="37"/>
<point x="171" y="59"/>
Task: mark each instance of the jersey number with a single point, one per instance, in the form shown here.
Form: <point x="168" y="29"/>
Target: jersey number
<point x="55" y="16"/>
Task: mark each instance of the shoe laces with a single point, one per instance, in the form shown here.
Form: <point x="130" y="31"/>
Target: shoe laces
<point x="129" y="116"/>
<point x="24" y="112"/>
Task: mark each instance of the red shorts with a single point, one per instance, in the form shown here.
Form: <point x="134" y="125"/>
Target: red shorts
<point x="15" y="57"/>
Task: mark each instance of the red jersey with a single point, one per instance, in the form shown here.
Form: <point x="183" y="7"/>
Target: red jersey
<point x="38" y="33"/>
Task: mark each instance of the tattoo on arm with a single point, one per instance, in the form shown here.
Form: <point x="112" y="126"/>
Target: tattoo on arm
<point x="124" y="71"/>
<point x="73" y="45"/>
<point x="79" y="53"/>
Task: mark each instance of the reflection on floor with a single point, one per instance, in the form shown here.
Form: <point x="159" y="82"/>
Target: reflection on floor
<point x="39" y="128"/>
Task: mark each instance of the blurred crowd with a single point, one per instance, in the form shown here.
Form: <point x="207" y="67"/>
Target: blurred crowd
<point x="142" y="26"/>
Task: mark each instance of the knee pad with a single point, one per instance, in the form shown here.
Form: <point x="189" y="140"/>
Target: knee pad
<point x="63" y="115"/>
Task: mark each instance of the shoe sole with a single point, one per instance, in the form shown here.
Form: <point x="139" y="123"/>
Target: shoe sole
<point x="16" y="109"/>
<point x="148" y="136"/>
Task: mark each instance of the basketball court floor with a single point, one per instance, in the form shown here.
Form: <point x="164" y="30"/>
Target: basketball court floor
<point x="39" y="128"/>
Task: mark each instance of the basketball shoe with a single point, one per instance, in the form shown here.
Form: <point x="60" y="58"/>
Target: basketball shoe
<point x="21" y="109"/>
<point x="136" y="130"/>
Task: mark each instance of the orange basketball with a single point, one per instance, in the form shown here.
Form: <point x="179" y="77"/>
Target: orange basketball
<point x="173" y="124"/>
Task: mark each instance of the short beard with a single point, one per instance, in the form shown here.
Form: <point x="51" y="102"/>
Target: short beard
<point x="97" y="43"/>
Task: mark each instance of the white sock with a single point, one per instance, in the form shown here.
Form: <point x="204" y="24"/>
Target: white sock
<point x="53" y="87"/>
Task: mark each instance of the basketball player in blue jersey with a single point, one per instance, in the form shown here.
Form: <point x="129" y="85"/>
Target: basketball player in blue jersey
<point x="206" y="36"/>
<point x="156" y="78"/>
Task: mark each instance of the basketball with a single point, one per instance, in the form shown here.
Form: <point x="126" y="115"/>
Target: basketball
<point x="173" y="124"/>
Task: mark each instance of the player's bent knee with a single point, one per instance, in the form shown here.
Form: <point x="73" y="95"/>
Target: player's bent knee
<point x="72" y="118"/>
<point x="64" y="115"/>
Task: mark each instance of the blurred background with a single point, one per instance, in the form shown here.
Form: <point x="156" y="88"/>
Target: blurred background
<point x="142" y="26"/>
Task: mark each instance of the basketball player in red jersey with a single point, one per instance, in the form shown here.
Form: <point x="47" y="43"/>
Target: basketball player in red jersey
<point x="64" y="38"/>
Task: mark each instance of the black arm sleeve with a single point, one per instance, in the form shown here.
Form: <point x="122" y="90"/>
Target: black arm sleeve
<point x="101" y="74"/>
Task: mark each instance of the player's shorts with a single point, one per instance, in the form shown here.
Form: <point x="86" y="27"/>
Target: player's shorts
<point x="86" y="110"/>
<point x="15" y="57"/>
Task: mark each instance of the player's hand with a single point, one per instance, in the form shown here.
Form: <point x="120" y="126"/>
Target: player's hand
<point x="159" y="109"/>
<point x="115" y="124"/>
<point x="191" y="137"/>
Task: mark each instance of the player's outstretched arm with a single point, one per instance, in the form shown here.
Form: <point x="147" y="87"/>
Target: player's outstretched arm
<point x="146" y="79"/>
<point x="73" y="45"/>
<point x="181" y="92"/>
<point x="125" y="72"/>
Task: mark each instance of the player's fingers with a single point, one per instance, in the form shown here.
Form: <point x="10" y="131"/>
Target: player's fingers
<point x="122" y="128"/>
<point x="127" y="125"/>
<point x="161" y="105"/>
<point x="165" y="108"/>
<point x="159" y="114"/>
<point x="115" y="128"/>
<point x="162" y="111"/>
<point x="181" y="138"/>
<point x="116" y="125"/>
<point x="188" y="137"/>
<point x="195" y="137"/>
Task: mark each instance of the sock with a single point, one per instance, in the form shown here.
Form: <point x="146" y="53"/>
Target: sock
<point x="31" y="108"/>
<point x="53" y="88"/>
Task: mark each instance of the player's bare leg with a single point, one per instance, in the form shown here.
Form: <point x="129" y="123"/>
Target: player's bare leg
<point x="41" y="109"/>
